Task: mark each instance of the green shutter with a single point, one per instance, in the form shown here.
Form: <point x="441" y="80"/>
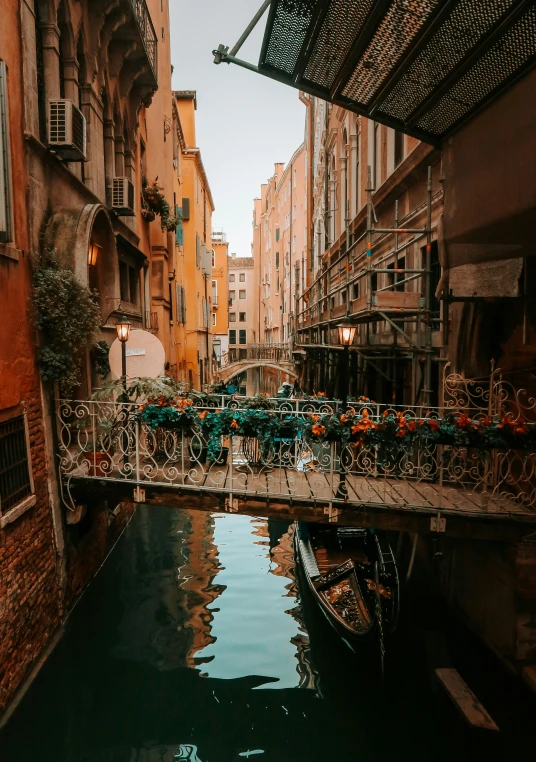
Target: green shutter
<point x="179" y="230"/>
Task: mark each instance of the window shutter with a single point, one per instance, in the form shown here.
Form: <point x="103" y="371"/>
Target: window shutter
<point x="197" y="251"/>
<point x="179" y="230"/>
<point x="185" y="208"/>
<point x="179" y="302"/>
<point x="5" y="162"/>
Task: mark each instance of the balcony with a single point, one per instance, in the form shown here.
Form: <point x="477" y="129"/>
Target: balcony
<point x="132" y="47"/>
<point x="151" y="322"/>
<point x="214" y="302"/>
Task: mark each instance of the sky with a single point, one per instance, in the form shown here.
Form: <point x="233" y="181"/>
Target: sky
<point x="245" y="122"/>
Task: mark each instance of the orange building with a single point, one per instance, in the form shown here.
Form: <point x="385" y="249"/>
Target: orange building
<point x="219" y="296"/>
<point x="196" y="206"/>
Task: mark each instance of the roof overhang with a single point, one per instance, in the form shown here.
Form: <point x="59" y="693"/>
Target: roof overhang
<point x="420" y="66"/>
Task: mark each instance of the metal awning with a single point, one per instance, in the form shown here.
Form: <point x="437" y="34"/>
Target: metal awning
<point x="420" y="66"/>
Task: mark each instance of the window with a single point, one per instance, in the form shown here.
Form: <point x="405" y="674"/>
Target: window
<point x="232" y="336"/>
<point x="232" y="278"/>
<point x="15" y="477"/>
<point x="242" y="277"/>
<point x="242" y="336"/>
<point x="232" y="317"/>
<point x="181" y="305"/>
<point x="242" y="317"/>
<point x="197" y="250"/>
<point x="5" y="169"/>
<point x="232" y="295"/>
<point x="213" y="258"/>
<point x="196" y="188"/>
<point x="399" y="147"/>
<point x="355" y="291"/>
<point x="128" y="282"/>
<point x="277" y="234"/>
<point x="214" y="292"/>
<point x="213" y="318"/>
<point x="277" y="260"/>
<point x="241" y="294"/>
<point x="377" y="156"/>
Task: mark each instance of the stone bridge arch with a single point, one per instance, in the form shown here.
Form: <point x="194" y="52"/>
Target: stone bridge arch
<point x="232" y="370"/>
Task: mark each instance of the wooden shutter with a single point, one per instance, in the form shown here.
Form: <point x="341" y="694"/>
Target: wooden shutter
<point x="5" y="160"/>
<point x="179" y="230"/>
<point x="197" y="251"/>
<point x="185" y="208"/>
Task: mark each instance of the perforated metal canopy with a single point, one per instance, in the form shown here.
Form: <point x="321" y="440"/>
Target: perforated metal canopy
<point x="421" y="66"/>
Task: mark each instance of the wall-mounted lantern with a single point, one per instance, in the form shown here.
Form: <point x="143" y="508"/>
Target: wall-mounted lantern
<point x="93" y="254"/>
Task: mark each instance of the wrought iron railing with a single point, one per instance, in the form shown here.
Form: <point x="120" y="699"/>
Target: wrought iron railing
<point x="109" y="441"/>
<point x="281" y="352"/>
<point x="147" y="32"/>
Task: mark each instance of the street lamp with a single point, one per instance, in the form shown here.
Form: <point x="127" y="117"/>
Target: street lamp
<point x="93" y="254"/>
<point x="123" y="327"/>
<point x="346" y="337"/>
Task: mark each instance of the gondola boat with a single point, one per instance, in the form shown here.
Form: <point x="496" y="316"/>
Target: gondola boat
<point x="353" y="575"/>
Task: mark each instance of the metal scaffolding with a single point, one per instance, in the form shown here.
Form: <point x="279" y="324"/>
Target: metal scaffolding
<point x="366" y="282"/>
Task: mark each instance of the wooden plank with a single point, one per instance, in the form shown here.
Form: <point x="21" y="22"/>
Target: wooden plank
<point x="464" y="699"/>
<point x="491" y="527"/>
<point x="408" y="300"/>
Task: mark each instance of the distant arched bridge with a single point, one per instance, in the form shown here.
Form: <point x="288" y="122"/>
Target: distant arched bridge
<point x="275" y="356"/>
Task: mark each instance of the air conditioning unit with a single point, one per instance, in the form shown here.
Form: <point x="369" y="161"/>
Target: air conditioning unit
<point x="66" y="130"/>
<point x="123" y="196"/>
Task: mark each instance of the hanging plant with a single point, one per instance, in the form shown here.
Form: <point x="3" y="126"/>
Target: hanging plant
<point x="155" y="202"/>
<point x="68" y="315"/>
<point x="101" y="361"/>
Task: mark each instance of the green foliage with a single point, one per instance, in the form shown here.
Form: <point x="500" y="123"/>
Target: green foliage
<point x="101" y="353"/>
<point x="154" y="198"/>
<point x="392" y="434"/>
<point x="163" y="389"/>
<point x="67" y="313"/>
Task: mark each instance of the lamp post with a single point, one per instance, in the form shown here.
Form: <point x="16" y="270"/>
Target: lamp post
<point x="123" y="327"/>
<point x="346" y="337"/>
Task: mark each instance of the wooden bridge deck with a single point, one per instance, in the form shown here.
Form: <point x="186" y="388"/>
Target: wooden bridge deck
<point x="312" y="496"/>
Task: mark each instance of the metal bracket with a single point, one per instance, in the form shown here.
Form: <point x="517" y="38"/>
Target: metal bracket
<point x="333" y="513"/>
<point x="139" y="495"/>
<point x="438" y="524"/>
<point x="231" y="505"/>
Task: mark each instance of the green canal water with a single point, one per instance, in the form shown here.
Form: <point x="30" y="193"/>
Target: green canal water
<point x="196" y="641"/>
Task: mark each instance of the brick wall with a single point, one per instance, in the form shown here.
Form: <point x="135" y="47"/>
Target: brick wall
<point x="30" y="596"/>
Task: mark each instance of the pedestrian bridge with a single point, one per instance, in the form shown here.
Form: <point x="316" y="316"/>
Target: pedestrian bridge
<point x="107" y="450"/>
<point x="278" y="357"/>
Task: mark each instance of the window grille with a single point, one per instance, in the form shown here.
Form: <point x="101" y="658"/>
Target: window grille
<point x="15" y="482"/>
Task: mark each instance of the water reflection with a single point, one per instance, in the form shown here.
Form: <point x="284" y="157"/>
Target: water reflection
<point x="193" y="643"/>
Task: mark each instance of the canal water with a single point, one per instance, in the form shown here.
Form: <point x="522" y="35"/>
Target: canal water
<point x="196" y="641"/>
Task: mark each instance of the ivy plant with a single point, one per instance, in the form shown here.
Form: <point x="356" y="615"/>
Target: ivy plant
<point x="67" y="314"/>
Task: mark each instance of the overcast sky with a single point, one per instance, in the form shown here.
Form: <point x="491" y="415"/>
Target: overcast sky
<point x="245" y="122"/>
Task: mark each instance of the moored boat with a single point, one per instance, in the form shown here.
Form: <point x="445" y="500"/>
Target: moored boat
<point x="353" y="575"/>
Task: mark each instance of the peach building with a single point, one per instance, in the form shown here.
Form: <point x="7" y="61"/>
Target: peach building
<point x="279" y="247"/>
<point x="243" y="315"/>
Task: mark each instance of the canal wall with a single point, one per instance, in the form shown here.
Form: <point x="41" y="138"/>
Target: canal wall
<point x="492" y="587"/>
<point x="40" y="583"/>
